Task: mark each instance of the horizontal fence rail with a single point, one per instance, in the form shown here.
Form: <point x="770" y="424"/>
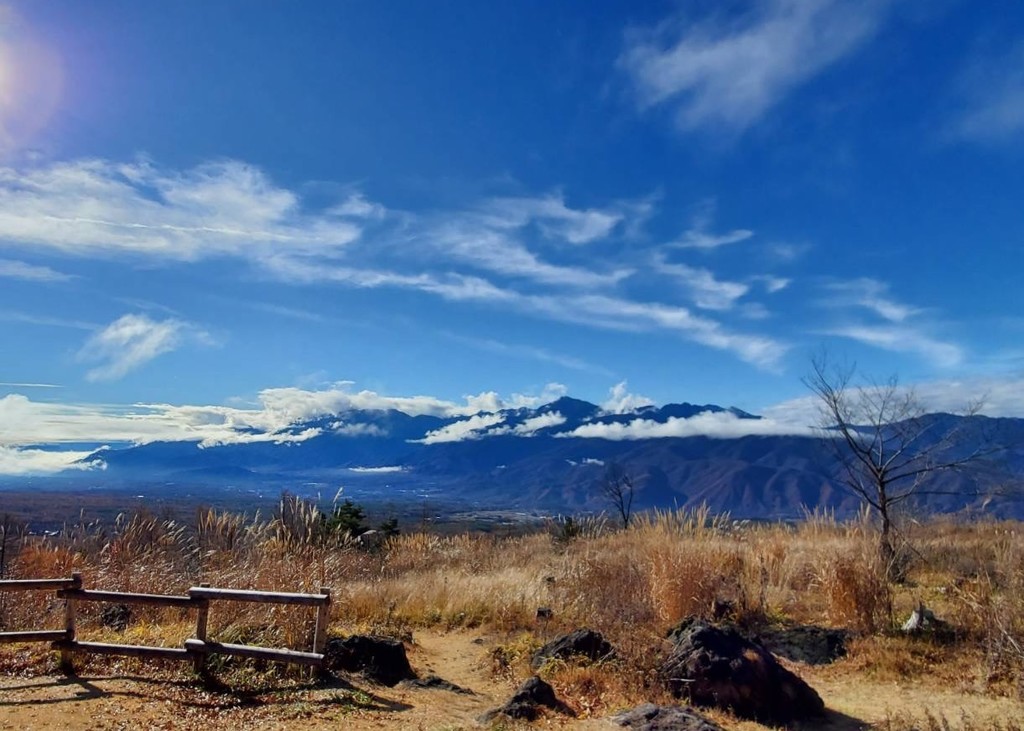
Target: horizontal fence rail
<point x="196" y="649"/>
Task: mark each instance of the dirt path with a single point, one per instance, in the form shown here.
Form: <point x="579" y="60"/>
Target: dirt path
<point x="115" y="703"/>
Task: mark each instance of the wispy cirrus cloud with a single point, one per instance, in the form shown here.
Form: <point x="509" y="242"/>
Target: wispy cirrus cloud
<point x="897" y="326"/>
<point x="531" y="352"/>
<point x="870" y="294"/>
<point x="706" y="291"/>
<point x="991" y="92"/>
<point x="728" y="70"/>
<point x="13" y="269"/>
<point x="903" y="339"/>
<point x="132" y="341"/>
<point x="530" y="254"/>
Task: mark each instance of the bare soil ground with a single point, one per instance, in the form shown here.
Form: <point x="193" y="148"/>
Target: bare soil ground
<point x="161" y="701"/>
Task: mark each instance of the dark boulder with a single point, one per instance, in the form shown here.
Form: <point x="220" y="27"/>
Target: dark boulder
<point x="381" y="659"/>
<point x="805" y="643"/>
<point x="650" y="717"/>
<point x="116" y="616"/>
<point x="581" y="643"/>
<point x="719" y="667"/>
<point x="527" y="702"/>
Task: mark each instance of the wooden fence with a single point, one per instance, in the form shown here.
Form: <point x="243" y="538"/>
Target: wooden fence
<point x="196" y="649"/>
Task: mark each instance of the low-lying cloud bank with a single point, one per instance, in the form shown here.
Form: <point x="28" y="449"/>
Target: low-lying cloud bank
<point x="29" y="429"/>
<point x="16" y="461"/>
<point x="719" y="425"/>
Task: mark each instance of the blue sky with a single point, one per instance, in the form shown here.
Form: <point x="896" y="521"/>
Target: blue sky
<point x="215" y="206"/>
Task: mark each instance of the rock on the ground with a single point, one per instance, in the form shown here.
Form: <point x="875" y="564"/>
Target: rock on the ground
<point x="433" y="682"/>
<point x="649" y="717"/>
<point x="526" y="703"/>
<point x="805" y="643"/>
<point x="719" y="667"/>
<point x="581" y="643"/>
<point x="116" y="616"/>
<point x="380" y="659"/>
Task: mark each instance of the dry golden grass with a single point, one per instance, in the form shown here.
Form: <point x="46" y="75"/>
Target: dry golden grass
<point x="630" y="585"/>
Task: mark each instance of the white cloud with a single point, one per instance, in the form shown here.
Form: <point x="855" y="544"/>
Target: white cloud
<point x="720" y="425"/>
<point x="466" y="429"/>
<point x="705" y="290"/>
<point x="621" y="401"/>
<point x="900" y="339"/>
<point x="600" y="311"/>
<point x="872" y="295"/>
<point x="528" y="351"/>
<point x="391" y="469"/>
<point x="13" y="269"/>
<point x="498" y="252"/>
<point x="228" y="209"/>
<point x="992" y="93"/>
<point x="897" y="328"/>
<point x="553" y="217"/>
<point x="700" y="236"/>
<point x="102" y="208"/>
<point x="358" y="206"/>
<point x="699" y="239"/>
<point x="132" y="341"/>
<point x="531" y="426"/>
<point x="19" y="461"/>
<point x="996" y="397"/>
<point x="551" y="392"/>
<point x="771" y="283"/>
<point x="29" y="318"/>
<point x="727" y="72"/>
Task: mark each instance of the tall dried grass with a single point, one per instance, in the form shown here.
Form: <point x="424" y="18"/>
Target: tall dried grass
<point x="631" y="585"/>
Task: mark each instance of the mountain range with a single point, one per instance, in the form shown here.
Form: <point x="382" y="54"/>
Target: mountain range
<point x="555" y="457"/>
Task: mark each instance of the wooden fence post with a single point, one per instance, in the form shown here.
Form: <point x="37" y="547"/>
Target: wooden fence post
<point x="323" y="617"/>
<point x="66" y="658"/>
<point x="202" y="620"/>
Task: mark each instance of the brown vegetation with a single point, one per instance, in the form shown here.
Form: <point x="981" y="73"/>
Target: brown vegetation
<point x="631" y="585"/>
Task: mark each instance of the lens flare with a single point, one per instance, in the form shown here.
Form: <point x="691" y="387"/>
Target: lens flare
<point x="31" y="81"/>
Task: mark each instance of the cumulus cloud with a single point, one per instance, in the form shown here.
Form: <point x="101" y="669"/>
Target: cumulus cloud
<point x="529" y="427"/>
<point x="729" y="71"/>
<point x="621" y="401"/>
<point x="466" y="429"/>
<point x="132" y="341"/>
<point x="719" y="425"/>
<point x="12" y="269"/>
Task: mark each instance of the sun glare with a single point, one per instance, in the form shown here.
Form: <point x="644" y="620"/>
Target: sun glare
<point x="30" y="88"/>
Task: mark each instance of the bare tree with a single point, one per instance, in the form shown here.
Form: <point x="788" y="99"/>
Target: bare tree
<point x="617" y="488"/>
<point x="885" y="443"/>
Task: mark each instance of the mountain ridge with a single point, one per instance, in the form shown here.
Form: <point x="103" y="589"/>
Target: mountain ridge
<point x="553" y="457"/>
